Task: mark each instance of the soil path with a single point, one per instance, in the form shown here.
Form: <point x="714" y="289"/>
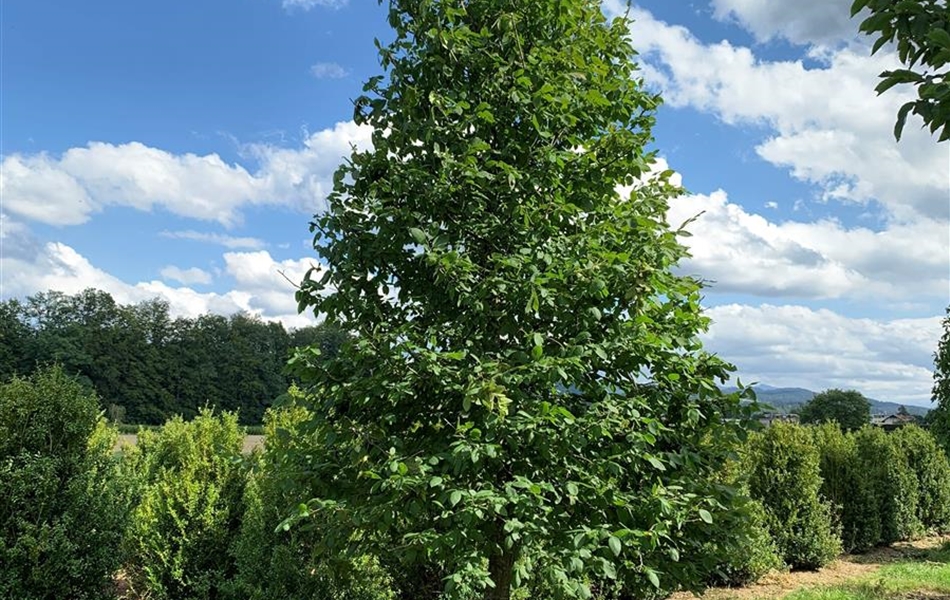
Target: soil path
<point x="777" y="584"/>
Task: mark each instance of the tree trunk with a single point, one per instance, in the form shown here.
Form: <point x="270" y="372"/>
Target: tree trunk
<point x="501" y="568"/>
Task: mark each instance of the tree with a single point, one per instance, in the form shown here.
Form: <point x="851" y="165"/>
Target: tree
<point x="921" y="29"/>
<point x="525" y="400"/>
<point x="848" y="408"/>
<point x="938" y="419"/>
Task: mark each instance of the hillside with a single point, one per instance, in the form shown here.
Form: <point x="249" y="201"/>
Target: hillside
<point x="786" y="399"/>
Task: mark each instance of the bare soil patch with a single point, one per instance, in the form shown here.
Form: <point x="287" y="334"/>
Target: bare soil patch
<point x="777" y="584"/>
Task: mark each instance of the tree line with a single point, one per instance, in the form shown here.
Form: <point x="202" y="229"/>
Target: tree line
<point x="147" y="365"/>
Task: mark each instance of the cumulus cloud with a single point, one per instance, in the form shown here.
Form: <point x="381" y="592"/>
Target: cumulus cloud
<point x="819" y="349"/>
<point x="186" y="276"/>
<point x="742" y="252"/>
<point x="228" y="241"/>
<point x="328" y="70"/>
<point x="69" y="189"/>
<point x="827" y="125"/>
<point x="261" y="285"/>
<point x="801" y="22"/>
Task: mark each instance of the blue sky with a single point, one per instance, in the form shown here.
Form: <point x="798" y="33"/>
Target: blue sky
<point x="179" y="149"/>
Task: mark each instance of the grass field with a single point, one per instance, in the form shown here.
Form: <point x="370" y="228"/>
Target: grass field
<point x="908" y="571"/>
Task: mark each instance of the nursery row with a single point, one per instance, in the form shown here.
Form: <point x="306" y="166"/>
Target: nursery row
<point x="185" y="515"/>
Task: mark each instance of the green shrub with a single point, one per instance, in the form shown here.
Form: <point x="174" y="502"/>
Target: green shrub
<point x="846" y="487"/>
<point x="928" y="462"/>
<point x="63" y="509"/>
<point x="274" y="565"/>
<point x="747" y="551"/>
<point x="192" y="480"/>
<point x="882" y="462"/>
<point x="784" y="475"/>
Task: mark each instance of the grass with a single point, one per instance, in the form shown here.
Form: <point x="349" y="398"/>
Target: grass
<point x="924" y="577"/>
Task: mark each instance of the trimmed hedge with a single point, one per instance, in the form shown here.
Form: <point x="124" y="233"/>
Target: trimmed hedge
<point x="928" y="463"/>
<point x="784" y="475"/>
<point x="847" y="488"/>
<point x="894" y="487"/>
<point x="63" y="505"/>
<point x="192" y="479"/>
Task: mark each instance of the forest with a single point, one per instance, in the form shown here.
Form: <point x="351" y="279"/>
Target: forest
<point x="147" y="365"/>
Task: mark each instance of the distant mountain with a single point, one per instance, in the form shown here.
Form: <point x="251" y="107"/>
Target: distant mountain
<point x="787" y="399"/>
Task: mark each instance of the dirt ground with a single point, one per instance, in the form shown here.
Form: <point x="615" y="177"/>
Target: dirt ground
<point x="777" y="584"/>
<point x="250" y="442"/>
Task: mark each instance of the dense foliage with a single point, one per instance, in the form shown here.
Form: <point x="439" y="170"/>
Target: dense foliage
<point x="930" y="468"/>
<point x="784" y="475"/>
<point x="63" y="507"/>
<point x="192" y="480"/>
<point x="526" y="396"/>
<point x="848" y="408"/>
<point x="277" y="563"/>
<point x="938" y="419"/>
<point x="147" y="366"/>
<point x="894" y="487"/>
<point x="847" y="487"/>
<point x="921" y="30"/>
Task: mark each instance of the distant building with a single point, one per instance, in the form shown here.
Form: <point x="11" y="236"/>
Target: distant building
<point x="768" y="418"/>
<point x="893" y="421"/>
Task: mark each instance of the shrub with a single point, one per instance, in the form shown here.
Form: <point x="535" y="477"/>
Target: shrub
<point x="63" y="510"/>
<point x="274" y="565"/>
<point x="784" y="475"/>
<point x="928" y="462"/>
<point x="882" y="462"/>
<point x="847" y="488"/>
<point x="192" y="477"/>
<point x="747" y="551"/>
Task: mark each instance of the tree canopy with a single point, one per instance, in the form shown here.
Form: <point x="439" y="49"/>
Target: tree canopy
<point x="148" y="365"/>
<point x="525" y="400"/>
<point x="849" y="408"/>
<point x="921" y="29"/>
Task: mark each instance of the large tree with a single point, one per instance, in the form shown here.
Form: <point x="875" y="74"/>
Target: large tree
<point x="849" y="408"/>
<point x="921" y="30"/>
<point x="524" y="399"/>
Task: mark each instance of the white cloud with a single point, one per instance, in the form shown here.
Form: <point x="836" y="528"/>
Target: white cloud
<point x="800" y="22"/>
<point x="743" y="252"/>
<point x="772" y="205"/>
<point x="186" y="276"/>
<point x="829" y="127"/>
<point x="28" y="266"/>
<point x="308" y="4"/>
<point x="820" y="349"/>
<point x="328" y="70"/>
<point x="68" y="190"/>
<point x="228" y="241"/>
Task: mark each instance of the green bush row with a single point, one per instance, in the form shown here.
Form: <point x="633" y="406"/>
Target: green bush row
<point x="186" y="515"/>
<point x="815" y="491"/>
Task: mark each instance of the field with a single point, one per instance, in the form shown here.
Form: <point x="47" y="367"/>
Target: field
<point x="917" y="570"/>
<point x="250" y="441"/>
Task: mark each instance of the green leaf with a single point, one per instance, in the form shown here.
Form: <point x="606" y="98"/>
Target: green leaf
<point x="615" y="545"/>
<point x="653" y="577"/>
<point x="941" y="37"/>
<point x="418" y="235"/>
<point x="435" y="481"/>
<point x="455" y="497"/>
<point x="705" y="515"/>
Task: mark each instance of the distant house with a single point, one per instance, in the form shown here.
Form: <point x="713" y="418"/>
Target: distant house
<point x="893" y="421"/>
<point x="768" y="418"/>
